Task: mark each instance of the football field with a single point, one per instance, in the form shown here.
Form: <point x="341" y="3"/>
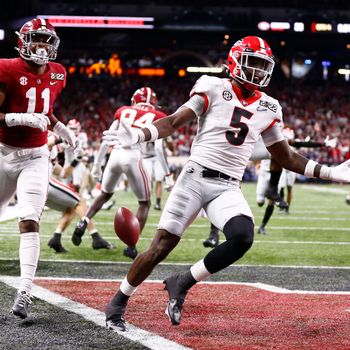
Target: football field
<point x="290" y="291"/>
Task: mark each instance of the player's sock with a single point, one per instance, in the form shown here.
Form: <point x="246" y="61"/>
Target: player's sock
<point x="29" y="251"/>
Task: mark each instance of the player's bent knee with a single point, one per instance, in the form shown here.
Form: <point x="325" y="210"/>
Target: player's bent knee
<point x="240" y="230"/>
<point x="29" y="212"/>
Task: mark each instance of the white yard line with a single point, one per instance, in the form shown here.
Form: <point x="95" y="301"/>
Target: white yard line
<point x="105" y="262"/>
<point x="150" y="340"/>
<point x="15" y="235"/>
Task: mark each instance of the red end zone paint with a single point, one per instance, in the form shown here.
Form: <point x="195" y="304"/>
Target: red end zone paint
<point x="228" y="317"/>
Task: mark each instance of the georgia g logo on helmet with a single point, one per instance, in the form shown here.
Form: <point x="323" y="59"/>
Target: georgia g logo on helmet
<point x="250" y="62"/>
<point x="38" y="41"/>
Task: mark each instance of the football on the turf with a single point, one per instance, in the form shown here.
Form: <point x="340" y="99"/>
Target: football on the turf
<point x="127" y="226"/>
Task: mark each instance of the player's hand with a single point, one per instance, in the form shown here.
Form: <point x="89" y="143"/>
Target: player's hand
<point x="126" y="135"/>
<point x="169" y="182"/>
<point x="330" y="142"/>
<point x="33" y="120"/>
<point x="340" y="173"/>
<point x="96" y="172"/>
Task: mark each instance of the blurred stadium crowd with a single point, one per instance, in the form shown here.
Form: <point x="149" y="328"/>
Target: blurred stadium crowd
<point x="313" y="110"/>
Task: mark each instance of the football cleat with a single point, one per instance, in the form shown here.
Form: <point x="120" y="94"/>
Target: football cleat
<point x="116" y="325"/>
<point x="115" y="317"/>
<point x="177" y="296"/>
<point x="157" y="207"/>
<point x="174" y="311"/>
<point x="272" y="193"/>
<point x="130" y="252"/>
<point x="99" y="243"/>
<point x="347" y="200"/>
<point x="213" y="240"/>
<point x="261" y="230"/>
<point x="55" y="244"/>
<point x="79" y="231"/>
<point x="21" y="305"/>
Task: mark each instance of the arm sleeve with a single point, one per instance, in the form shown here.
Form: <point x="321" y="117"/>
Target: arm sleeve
<point x="159" y="150"/>
<point x="196" y="103"/>
<point x="272" y="135"/>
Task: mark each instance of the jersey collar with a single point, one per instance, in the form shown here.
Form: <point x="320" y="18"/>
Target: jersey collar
<point x="242" y="100"/>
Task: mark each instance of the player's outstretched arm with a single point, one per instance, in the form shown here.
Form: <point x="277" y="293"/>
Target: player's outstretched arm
<point x="127" y="136"/>
<point x="293" y="161"/>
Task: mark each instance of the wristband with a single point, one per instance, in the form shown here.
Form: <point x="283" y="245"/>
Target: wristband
<point x="153" y="131"/>
<point x="325" y="173"/>
<point x="310" y="168"/>
<point x="141" y="136"/>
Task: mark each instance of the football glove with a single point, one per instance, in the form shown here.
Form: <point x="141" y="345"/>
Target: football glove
<point x="33" y="120"/>
<point x="340" y="173"/>
<point x="96" y="172"/>
<point x="169" y="182"/>
<point x="330" y="142"/>
<point x="126" y="135"/>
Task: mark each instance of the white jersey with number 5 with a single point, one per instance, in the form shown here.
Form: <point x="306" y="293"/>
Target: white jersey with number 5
<point x="230" y="125"/>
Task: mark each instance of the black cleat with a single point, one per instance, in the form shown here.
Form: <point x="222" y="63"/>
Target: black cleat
<point x="174" y="311"/>
<point x="130" y="252"/>
<point x="177" y="296"/>
<point x="115" y="317"/>
<point x="272" y="193"/>
<point x="212" y="241"/>
<point x="99" y="243"/>
<point x="79" y="231"/>
<point x="55" y="243"/>
<point x="21" y="305"/>
<point x="261" y="230"/>
<point x="157" y="207"/>
<point x="347" y="200"/>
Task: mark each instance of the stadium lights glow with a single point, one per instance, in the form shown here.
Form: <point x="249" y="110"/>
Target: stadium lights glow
<point x="321" y="27"/>
<point x="299" y="27"/>
<point x="307" y="61"/>
<point x="344" y="71"/>
<point x="100" y="21"/>
<point x="343" y="27"/>
<point x="279" y="26"/>
<point x="204" y="69"/>
<point x="263" y="26"/>
<point x="326" y="63"/>
<point x="2" y="34"/>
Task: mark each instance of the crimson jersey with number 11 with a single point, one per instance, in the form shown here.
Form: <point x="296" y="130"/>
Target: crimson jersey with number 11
<point x="28" y="92"/>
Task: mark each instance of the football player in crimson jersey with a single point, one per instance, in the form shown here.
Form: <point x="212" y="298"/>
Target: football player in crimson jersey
<point x="128" y="160"/>
<point x="29" y="86"/>
<point x="232" y="113"/>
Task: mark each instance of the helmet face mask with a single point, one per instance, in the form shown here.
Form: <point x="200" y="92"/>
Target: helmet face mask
<point x="38" y="41"/>
<point x="145" y="96"/>
<point x="251" y="63"/>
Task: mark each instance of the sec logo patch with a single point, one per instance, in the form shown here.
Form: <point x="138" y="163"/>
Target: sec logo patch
<point x="227" y="95"/>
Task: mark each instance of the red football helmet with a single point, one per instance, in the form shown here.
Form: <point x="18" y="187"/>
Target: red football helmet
<point x="38" y="41"/>
<point x="250" y="62"/>
<point x="74" y="125"/>
<point x="145" y="95"/>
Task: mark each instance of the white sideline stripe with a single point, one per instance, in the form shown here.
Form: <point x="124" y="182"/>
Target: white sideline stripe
<point x="325" y="190"/>
<point x="106" y="262"/>
<point x="150" y="340"/>
<point x="12" y="235"/>
<point x="258" y="285"/>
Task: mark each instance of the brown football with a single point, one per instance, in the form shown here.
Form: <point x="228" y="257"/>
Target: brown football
<point x="127" y="226"/>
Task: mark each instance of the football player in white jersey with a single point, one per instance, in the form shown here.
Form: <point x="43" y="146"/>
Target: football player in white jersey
<point x="64" y="199"/>
<point x="231" y="113"/>
<point x="128" y="160"/>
